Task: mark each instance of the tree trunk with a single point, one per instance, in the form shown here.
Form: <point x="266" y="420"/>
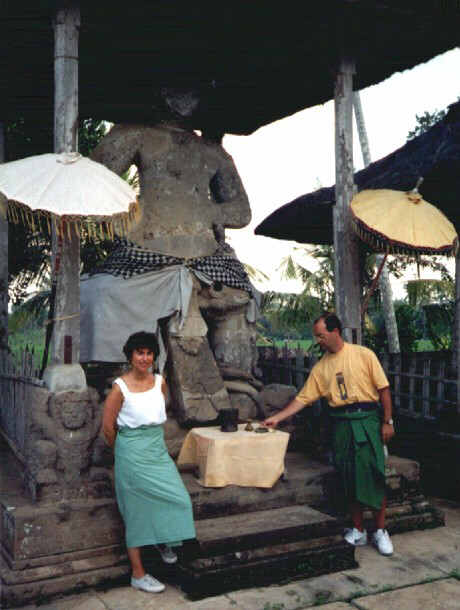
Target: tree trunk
<point x="346" y="250"/>
<point x="384" y="280"/>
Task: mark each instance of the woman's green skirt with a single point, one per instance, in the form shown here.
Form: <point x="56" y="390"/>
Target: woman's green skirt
<point x="359" y="457"/>
<point x="151" y="496"/>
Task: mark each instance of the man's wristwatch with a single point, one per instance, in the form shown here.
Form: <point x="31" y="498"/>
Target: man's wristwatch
<point x="389" y="422"/>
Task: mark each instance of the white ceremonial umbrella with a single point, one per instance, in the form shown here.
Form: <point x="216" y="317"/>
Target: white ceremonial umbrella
<point x="68" y="190"/>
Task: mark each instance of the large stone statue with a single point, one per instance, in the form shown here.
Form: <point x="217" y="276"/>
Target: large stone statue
<point x="190" y="191"/>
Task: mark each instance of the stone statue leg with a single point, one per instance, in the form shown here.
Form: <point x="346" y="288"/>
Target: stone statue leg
<point x="233" y="342"/>
<point x="195" y="383"/>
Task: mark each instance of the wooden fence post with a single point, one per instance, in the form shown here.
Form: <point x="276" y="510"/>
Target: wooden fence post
<point x="3" y="258"/>
<point x="299" y="368"/>
<point x="426" y="387"/>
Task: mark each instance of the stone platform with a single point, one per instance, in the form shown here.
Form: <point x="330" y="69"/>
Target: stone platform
<point x="245" y="535"/>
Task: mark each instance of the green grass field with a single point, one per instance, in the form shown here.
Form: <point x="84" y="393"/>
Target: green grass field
<point x="33" y="337"/>
<point x="292" y="343"/>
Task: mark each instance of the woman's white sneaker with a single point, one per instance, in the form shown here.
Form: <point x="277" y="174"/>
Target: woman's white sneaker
<point x="355" y="537"/>
<point x="147" y="583"/>
<point x="167" y="554"/>
<point x="381" y="540"/>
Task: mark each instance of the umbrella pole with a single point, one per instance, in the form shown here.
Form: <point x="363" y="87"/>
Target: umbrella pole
<point x="373" y="285"/>
<point x="52" y="306"/>
<point x="49" y="325"/>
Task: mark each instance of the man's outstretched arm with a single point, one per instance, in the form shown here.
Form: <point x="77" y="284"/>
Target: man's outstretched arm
<point x="291" y="409"/>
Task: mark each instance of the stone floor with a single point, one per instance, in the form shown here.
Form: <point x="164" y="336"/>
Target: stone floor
<point x="423" y="574"/>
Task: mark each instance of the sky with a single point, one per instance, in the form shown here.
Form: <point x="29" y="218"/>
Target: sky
<point x="295" y="155"/>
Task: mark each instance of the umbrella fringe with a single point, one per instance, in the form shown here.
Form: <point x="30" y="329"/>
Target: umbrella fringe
<point x="380" y="243"/>
<point x="101" y="227"/>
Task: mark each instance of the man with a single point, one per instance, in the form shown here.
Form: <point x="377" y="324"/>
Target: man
<point x="353" y="381"/>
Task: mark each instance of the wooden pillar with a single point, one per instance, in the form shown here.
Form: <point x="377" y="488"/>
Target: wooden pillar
<point x="3" y="257"/>
<point x="384" y="281"/>
<point x="347" y="266"/>
<point x="66" y="253"/>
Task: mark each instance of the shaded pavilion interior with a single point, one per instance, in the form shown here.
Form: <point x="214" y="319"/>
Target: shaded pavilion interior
<point x="252" y="63"/>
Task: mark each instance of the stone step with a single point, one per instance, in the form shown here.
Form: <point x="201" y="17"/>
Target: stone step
<point x="261" y="528"/>
<point x="307" y="481"/>
<point x="262" y="547"/>
<point x="49" y="548"/>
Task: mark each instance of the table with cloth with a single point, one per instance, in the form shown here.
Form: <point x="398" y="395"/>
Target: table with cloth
<point x="245" y="458"/>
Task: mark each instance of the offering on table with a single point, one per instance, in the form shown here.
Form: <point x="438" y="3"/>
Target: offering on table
<point x="261" y="429"/>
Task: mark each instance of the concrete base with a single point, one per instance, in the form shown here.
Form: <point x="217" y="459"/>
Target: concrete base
<point x="54" y="548"/>
<point x="64" y="377"/>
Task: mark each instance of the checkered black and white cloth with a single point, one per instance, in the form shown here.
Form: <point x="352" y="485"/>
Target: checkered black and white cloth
<point x="128" y="259"/>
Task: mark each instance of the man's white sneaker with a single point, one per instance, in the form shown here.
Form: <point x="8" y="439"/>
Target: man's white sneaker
<point x="355" y="537"/>
<point x="381" y="540"/>
<point x="147" y="583"/>
<point x="167" y="554"/>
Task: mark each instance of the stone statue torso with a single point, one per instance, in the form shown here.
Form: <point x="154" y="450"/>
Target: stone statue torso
<point x="187" y="185"/>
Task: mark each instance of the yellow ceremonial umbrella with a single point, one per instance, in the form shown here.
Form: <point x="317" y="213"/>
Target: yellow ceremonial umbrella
<point x="401" y="222"/>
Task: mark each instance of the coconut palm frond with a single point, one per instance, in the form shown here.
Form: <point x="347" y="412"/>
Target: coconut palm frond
<point x="255" y="274"/>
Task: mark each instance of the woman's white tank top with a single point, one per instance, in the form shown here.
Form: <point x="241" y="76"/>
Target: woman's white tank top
<point x="141" y="408"/>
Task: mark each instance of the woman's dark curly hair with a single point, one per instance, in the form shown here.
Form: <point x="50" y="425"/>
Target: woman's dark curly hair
<point x="140" y="340"/>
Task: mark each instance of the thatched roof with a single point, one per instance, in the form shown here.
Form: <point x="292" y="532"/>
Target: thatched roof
<point x="253" y="62"/>
<point x="435" y="155"/>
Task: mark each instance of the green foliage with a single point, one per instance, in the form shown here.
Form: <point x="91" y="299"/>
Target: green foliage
<point x="288" y="314"/>
<point x="410" y="326"/>
<point x="317" y="284"/>
<point x="25" y="329"/>
<point x="425" y="121"/>
<point x="28" y="260"/>
<point x="425" y="292"/>
<point x="439" y="320"/>
<point x="90" y="133"/>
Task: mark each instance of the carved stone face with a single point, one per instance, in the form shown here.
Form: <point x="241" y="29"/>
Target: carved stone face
<point x="73" y="415"/>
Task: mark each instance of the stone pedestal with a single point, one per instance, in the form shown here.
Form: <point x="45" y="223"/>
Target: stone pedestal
<point x="56" y="547"/>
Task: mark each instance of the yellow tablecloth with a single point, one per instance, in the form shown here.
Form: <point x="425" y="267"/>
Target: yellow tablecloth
<point x="249" y="459"/>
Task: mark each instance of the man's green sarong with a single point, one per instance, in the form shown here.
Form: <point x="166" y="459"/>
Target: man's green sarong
<point x="359" y="457"/>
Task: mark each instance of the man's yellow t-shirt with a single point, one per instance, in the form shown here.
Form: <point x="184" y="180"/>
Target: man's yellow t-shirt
<point x="350" y="375"/>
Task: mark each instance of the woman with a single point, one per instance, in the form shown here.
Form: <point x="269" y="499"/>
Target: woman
<point x="151" y="496"/>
